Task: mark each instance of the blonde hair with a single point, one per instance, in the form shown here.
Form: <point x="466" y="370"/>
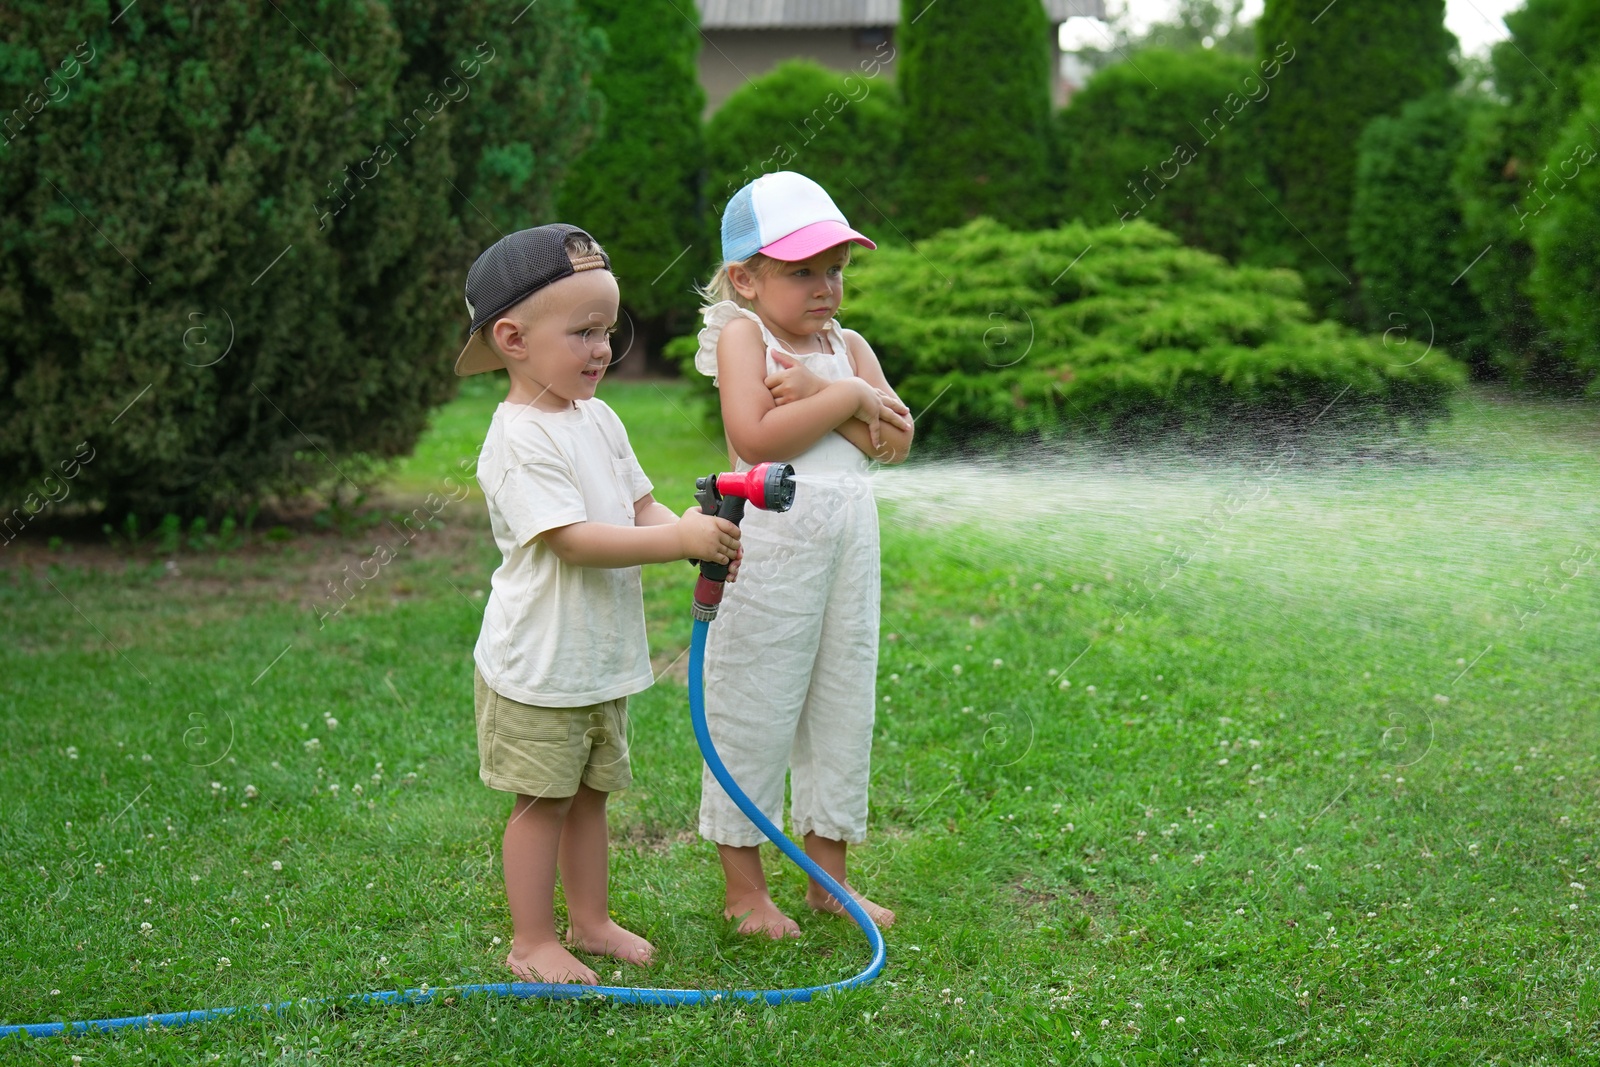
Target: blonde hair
<point x="720" y="287"/>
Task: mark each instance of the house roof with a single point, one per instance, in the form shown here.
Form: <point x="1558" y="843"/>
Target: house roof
<point x="828" y="14"/>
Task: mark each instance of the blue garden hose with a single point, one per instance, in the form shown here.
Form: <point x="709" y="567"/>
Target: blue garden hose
<point x="554" y="991"/>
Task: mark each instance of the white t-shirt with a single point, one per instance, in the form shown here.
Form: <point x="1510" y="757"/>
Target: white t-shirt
<point x="556" y="634"/>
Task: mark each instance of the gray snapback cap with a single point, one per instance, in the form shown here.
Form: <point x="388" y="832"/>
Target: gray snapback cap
<point x="508" y="272"/>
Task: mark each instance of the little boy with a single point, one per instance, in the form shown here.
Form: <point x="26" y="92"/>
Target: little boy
<point x="563" y="640"/>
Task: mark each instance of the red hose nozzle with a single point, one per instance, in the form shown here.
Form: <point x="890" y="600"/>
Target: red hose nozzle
<point x="769" y="486"/>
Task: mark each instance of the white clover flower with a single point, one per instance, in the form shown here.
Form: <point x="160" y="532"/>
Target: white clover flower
<point x="1179" y="1020"/>
<point x="496" y="941"/>
<point x="312" y="745"/>
<point x="956" y="669"/>
<point x="999" y="662"/>
<point x="277" y="865"/>
<point x="251" y="792"/>
<point x="223" y="961"/>
<point x="72" y="751"/>
<point x="331" y="723"/>
<point x="145" y="928"/>
<point x="356" y="789"/>
<point x="334" y="788"/>
<point x="194" y="878"/>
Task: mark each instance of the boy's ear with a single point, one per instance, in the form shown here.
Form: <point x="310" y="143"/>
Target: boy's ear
<point x="507" y="337"/>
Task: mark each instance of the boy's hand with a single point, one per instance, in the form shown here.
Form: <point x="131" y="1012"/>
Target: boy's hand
<point x="793" y="382"/>
<point x="707" y="537"/>
<point x="733" y="568"/>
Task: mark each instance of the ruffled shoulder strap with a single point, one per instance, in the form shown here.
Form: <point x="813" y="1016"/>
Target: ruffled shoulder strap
<point x="717" y="316"/>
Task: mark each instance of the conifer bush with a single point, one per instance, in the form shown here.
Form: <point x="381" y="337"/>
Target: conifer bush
<point x="232" y="253"/>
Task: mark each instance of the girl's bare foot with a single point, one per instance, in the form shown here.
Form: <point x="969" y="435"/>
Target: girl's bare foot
<point x="612" y="940"/>
<point x="757" y="914"/>
<point x="548" y="961"/>
<point x="821" y="900"/>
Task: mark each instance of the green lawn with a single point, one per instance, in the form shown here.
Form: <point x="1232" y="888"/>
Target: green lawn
<point x="1250" y="761"/>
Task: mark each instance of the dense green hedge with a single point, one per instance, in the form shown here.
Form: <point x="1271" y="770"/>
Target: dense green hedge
<point x="1566" y="238"/>
<point x="636" y="187"/>
<point x="1352" y="61"/>
<point x="841" y="129"/>
<point x="232" y="255"/>
<point x="976" y="84"/>
<point x="1170" y="139"/>
<point x="1405" y="227"/>
<point x="1117" y="328"/>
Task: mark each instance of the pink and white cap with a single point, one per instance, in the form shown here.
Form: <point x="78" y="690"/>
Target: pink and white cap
<point x="786" y="216"/>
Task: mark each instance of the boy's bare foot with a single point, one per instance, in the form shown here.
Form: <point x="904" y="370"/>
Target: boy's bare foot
<point x="548" y="961"/>
<point x="822" y="900"/>
<point x="612" y="940"/>
<point x="757" y="914"/>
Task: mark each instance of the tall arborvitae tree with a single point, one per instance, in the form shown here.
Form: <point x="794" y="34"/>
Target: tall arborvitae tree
<point x="1511" y="173"/>
<point x="636" y="189"/>
<point x="1404" y="226"/>
<point x="1344" y="64"/>
<point x="1169" y="138"/>
<point x="232" y="253"/>
<point x="1565" y="237"/>
<point x="975" y="79"/>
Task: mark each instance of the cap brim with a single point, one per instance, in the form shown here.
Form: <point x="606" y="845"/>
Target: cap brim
<point x="478" y="357"/>
<point x="807" y="241"/>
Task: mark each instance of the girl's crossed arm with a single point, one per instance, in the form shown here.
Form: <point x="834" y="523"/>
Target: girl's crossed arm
<point x="760" y="430"/>
<point x="895" y="441"/>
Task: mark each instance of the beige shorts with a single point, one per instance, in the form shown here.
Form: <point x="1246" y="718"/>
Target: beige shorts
<point x="546" y="752"/>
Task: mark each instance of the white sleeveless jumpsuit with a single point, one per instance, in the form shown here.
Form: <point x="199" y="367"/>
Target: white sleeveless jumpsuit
<point x="792" y="658"/>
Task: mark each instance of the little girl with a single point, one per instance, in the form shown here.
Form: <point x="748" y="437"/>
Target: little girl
<point x="791" y="664"/>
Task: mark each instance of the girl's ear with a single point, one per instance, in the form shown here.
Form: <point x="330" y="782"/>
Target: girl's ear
<point x="743" y="281"/>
